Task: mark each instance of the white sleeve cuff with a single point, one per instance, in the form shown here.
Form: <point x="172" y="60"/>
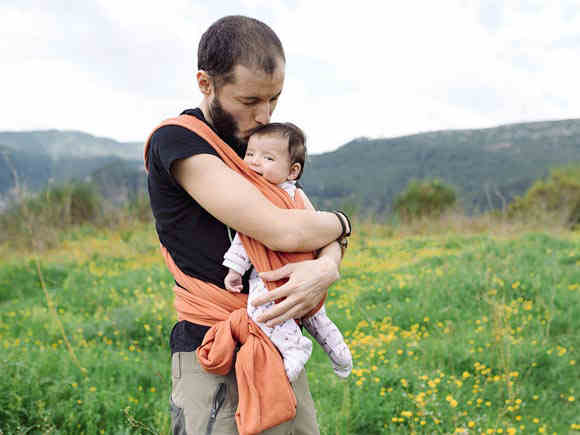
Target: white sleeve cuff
<point x="232" y="265"/>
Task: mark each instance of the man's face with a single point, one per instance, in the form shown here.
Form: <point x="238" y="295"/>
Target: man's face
<point x="237" y="108"/>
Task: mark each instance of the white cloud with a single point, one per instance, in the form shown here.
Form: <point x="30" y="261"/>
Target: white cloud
<point x="371" y="68"/>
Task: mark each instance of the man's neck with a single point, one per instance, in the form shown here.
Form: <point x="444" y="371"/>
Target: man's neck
<point x="204" y="107"/>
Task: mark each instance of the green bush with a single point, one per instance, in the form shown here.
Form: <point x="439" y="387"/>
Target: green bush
<point x="140" y="208"/>
<point x="556" y="197"/>
<point x="34" y="219"/>
<point x="70" y="204"/>
<point x="424" y="198"/>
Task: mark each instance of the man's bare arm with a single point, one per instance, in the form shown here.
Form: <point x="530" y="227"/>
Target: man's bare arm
<point x="233" y="200"/>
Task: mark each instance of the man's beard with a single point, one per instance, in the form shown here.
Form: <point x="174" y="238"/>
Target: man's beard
<point x="225" y="126"/>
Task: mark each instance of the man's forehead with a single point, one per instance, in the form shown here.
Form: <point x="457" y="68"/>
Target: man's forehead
<point x="253" y="82"/>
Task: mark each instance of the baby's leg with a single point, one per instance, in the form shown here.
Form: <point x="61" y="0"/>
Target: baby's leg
<point x="287" y="337"/>
<point x="328" y="335"/>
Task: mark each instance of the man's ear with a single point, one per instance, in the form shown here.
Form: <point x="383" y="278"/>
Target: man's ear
<point x="204" y="82"/>
<point x="294" y="171"/>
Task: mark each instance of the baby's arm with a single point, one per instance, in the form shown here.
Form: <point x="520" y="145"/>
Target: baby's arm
<point x="237" y="261"/>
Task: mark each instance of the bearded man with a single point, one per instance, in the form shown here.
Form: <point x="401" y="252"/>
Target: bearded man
<point x="199" y="202"/>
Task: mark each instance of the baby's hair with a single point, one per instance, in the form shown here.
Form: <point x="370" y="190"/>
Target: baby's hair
<point x="296" y="140"/>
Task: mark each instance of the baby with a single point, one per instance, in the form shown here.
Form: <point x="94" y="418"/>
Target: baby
<point x="277" y="152"/>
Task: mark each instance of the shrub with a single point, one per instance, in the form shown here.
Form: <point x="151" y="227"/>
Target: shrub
<point x="34" y="219"/>
<point x="557" y="198"/>
<point x="70" y="204"/>
<point x="424" y="198"/>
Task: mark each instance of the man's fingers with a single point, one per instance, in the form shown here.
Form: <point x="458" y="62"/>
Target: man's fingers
<point x="275" y="275"/>
<point x="267" y="297"/>
<point x="279" y="293"/>
<point x="271" y="313"/>
<point x="292" y="307"/>
<point x="279" y="313"/>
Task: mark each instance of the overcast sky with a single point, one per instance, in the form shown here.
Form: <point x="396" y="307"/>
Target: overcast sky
<point x="116" y="68"/>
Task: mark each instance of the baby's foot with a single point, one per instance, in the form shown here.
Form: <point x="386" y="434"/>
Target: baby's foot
<point x="341" y="360"/>
<point x="328" y="335"/>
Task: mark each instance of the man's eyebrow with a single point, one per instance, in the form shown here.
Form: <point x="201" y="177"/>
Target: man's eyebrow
<point x="254" y="98"/>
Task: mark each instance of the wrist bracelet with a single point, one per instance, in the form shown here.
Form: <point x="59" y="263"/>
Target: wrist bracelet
<point x="342" y="224"/>
<point x="344" y="232"/>
<point x="339" y="213"/>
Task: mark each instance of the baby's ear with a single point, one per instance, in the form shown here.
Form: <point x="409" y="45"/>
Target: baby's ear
<point x="294" y="171"/>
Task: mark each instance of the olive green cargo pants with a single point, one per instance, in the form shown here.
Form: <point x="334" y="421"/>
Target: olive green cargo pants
<point x="204" y="404"/>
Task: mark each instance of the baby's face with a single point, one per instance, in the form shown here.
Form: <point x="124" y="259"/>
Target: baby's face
<point x="268" y="156"/>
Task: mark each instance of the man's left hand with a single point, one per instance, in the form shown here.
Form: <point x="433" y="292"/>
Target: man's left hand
<point x="307" y="284"/>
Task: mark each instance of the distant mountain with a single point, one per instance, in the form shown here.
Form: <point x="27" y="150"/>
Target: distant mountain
<point x="32" y="160"/>
<point x="488" y="167"/>
<point x="60" y="144"/>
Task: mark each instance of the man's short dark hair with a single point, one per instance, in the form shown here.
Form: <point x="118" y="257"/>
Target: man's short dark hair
<point x="238" y="40"/>
<point x="296" y="140"/>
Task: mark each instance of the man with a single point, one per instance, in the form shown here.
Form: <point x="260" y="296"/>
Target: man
<point x="196" y="199"/>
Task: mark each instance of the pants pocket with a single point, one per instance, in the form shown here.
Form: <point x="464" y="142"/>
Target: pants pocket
<point x="207" y="401"/>
<point x="217" y="402"/>
<point x="177" y="419"/>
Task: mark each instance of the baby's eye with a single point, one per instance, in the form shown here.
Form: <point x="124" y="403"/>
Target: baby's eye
<point x="270" y="159"/>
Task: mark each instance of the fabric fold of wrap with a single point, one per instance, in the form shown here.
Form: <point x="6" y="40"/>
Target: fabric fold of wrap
<point x="266" y="398"/>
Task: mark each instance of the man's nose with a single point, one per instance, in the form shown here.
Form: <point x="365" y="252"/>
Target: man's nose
<point x="262" y="114"/>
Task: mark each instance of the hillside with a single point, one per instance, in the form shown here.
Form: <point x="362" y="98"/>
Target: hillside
<point x="488" y="166"/>
<point x="58" y="144"/>
<point x="32" y="160"/>
<point x="32" y="172"/>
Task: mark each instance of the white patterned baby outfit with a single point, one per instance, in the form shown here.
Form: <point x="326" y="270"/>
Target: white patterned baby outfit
<point x="287" y="337"/>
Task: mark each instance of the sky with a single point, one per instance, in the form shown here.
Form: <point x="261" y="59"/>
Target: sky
<point x="116" y="68"/>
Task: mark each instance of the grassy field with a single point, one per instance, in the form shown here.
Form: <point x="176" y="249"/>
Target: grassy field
<point x="451" y="333"/>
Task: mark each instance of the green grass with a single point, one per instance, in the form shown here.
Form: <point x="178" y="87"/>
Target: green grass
<point x="449" y="333"/>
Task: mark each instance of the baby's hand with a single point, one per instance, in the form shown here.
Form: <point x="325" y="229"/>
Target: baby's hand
<point x="233" y="281"/>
